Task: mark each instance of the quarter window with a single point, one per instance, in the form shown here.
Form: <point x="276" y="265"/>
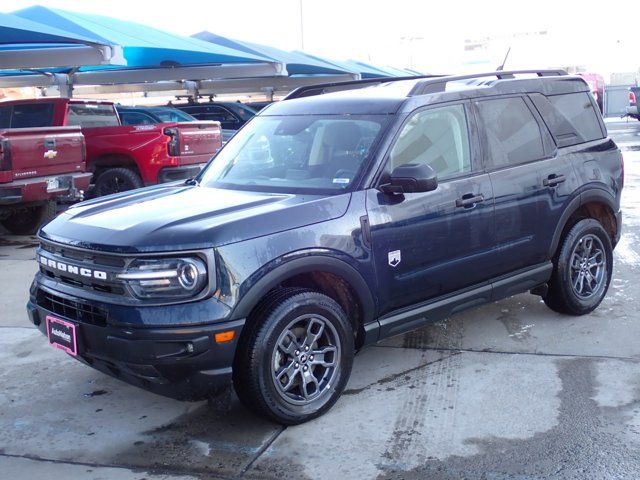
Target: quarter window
<point x="436" y="137"/>
<point x="578" y="110"/>
<point x="511" y="132"/>
<point x="31" y="115"/>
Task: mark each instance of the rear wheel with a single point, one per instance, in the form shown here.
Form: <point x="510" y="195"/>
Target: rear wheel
<point x="27" y="221"/>
<point x="295" y="357"/>
<point x="582" y="270"/>
<point x="116" y="180"/>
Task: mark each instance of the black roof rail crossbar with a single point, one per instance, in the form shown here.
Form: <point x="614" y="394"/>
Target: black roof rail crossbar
<point x="435" y="85"/>
<point x="319" y="89"/>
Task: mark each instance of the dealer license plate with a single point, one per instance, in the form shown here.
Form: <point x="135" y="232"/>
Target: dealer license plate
<point x="62" y="335"/>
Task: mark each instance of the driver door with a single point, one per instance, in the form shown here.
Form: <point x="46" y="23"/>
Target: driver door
<point x="433" y="243"/>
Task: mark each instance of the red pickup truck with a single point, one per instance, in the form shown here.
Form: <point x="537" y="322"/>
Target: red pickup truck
<point x="38" y="168"/>
<point x="124" y="157"/>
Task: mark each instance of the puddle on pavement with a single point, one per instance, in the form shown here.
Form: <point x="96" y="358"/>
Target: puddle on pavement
<point x="203" y="441"/>
<point x="96" y="393"/>
<point x="28" y="242"/>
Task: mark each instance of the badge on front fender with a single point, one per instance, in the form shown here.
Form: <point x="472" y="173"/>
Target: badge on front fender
<point x="395" y="258"/>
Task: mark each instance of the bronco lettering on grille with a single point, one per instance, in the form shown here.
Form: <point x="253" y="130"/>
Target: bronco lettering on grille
<point x="72" y="269"/>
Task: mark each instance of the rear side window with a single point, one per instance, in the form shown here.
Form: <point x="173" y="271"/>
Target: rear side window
<point x="31" y="115"/>
<point x="570" y="117"/>
<point x="511" y="132"/>
<point x="91" y="115"/>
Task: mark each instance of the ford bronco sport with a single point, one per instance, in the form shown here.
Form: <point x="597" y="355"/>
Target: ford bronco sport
<point x="342" y="215"/>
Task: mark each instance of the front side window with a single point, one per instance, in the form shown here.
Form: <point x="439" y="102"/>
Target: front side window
<point x="511" y="133"/>
<point x="437" y="137"/>
<point x="91" y="115"/>
<point x="308" y="153"/>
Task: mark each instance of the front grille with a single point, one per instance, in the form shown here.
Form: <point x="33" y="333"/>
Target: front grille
<point x="65" y="256"/>
<point x="79" y="311"/>
<point x="83" y="255"/>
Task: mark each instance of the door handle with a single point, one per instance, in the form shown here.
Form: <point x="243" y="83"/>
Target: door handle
<point x="553" y="180"/>
<point x="469" y="200"/>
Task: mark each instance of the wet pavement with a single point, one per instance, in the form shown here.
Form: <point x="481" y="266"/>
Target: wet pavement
<point x="509" y="390"/>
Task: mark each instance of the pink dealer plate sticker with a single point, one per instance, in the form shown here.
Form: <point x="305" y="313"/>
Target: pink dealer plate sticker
<point x="62" y="335"/>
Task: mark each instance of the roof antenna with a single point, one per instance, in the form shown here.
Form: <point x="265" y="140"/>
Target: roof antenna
<point x="501" y="67"/>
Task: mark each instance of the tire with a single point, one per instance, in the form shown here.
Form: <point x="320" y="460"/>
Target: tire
<point x="577" y="286"/>
<point x="27" y="221"/>
<point x="116" y="180"/>
<point x="275" y="375"/>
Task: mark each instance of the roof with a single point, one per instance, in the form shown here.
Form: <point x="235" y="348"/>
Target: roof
<point x="389" y="96"/>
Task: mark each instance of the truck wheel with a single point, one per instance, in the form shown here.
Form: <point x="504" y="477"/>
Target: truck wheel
<point x="295" y="356"/>
<point x="116" y="180"/>
<point x="27" y="221"/>
<point x="582" y="271"/>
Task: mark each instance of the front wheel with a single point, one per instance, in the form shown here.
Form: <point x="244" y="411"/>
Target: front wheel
<point x="295" y="357"/>
<point x="582" y="271"/>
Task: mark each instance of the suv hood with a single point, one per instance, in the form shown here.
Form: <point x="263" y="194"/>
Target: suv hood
<point x="179" y="217"/>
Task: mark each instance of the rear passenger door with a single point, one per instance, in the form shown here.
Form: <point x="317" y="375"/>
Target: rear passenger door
<point x="433" y="243"/>
<point x="531" y="183"/>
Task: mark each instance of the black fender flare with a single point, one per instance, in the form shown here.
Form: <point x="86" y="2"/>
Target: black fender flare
<point x="591" y="195"/>
<point x="307" y="264"/>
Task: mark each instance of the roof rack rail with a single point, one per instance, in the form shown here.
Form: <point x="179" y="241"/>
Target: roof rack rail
<point x="319" y="89"/>
<point x="435" y="85"/>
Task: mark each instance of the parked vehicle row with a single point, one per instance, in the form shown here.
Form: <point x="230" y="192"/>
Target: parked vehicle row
<point x="331" y="221"/>
<point x="64" y="138"/>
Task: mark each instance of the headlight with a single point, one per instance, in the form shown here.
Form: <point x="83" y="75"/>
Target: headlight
<point x="170" y="278"/>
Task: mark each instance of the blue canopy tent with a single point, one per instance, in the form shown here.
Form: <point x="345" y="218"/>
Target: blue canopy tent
<point x="151" y="55"/>
<point x="297" y="63"/>
<point x="28" y="44"/>
<point x="369" y="71"/>
<point x="143" y="46"/>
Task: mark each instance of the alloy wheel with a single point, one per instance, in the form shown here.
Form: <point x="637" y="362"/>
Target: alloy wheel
<point x="305" y="359"/>
<point x="588" y="267"/>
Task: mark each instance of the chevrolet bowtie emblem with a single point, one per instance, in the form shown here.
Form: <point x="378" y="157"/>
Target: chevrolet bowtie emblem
<point x="50" y="154"/>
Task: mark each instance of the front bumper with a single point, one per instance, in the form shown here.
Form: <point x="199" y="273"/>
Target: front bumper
<point x="171" y="174"/>
<point x="181" y="362"/>
<point x="32" y="190"/>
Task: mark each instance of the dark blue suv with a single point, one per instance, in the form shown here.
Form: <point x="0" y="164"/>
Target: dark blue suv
<point x="343" y="215"/>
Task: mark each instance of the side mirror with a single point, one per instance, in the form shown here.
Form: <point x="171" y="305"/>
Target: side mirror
<point x="411" y="178"/>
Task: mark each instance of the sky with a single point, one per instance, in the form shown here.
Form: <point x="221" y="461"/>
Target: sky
<point x="425" y="35"/>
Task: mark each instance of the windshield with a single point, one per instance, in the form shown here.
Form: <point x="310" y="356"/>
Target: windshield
<point x="173" y="116"/>
<point x="310" y="153"/>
